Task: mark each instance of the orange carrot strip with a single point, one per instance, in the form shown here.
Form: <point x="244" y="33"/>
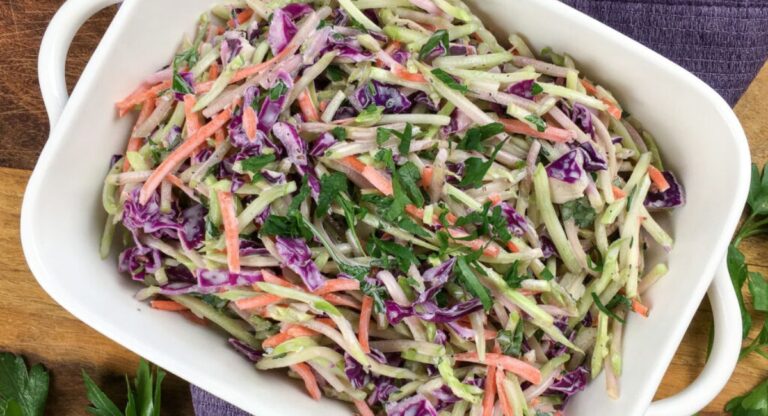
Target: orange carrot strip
<point x="323" y="105"/>
<point x="182" y="152"/>
<point x="337" y="285"/>
<point x="589" y="87"/>
<point x="248" y="71"/>
<point x="277" y="280"/>
<point x="365" y="320"/>
<point x="426" y="176"/>
<point x="658" y="178"/>
<point x="275" y="340"/>
<point x="613" y="110"/>
<point x="213" y="73"/>
<point x="307" y="107"/>
<point x="363" y="408"/>
<point x="193" y="120"/>
<point x="490" y="250"/>
<point x="618" y="193"/>
<point x="167" y="305"/>
<point x="310" y="382"/>
<point x="638" y="307"/>
<point x="326" y="321"/>
<point x="132" y="100"/>
<point x="513" y="365"/>
<point x="296" y="331"/>
<point x="194" y="318"/>
<point x="489" y="396"/>
<point x="219" y="137"/>
<point x="241" y="18"/>
<point x="506" y="406"/>
<point x="250" y="122"/>
<point x="340" y="301"/>
<point x="494" y="198"/>
<point x="512" y="247"/>
<point x="406" y="75"/>
<point x="135" y="143"/>
<point x="257" y="301"/>
<point x="354" y="163"/>
<point x="371" y="174"/>
<point x="231" y="233"/>
<point x="554" y="134"/>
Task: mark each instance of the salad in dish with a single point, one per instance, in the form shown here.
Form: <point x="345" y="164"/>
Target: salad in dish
<point x="381" y="199"/>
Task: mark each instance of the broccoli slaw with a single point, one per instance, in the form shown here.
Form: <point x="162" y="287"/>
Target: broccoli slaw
<point x="381" y="199"/>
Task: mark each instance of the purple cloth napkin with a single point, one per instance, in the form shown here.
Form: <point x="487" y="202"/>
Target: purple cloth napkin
<point x="723" y="42"/>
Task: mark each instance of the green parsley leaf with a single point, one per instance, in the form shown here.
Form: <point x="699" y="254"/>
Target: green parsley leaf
<point x="758" y="287"/>
<point x="301" y="196"/>
<point x="382" y="135"/>
<point x="256" y="163"/>
<point x="511" y="341"/>
<point x="278" y="90"/>
<point x="737" y="268"/>
<point x="448" y="80"/>
<point x="513" y="278"/>
<point x="440" y="37"/>
<point x="22" y="392"/>
<point x="546" y="274"/>
<point x="536" y="89"/>
<point x="286" y="226"/>
<point x="403" y="254"/>
<point x="469" y="280"/>
<point x="753" y="403"/>
<point x="603" y="309"/>
<point x="370" y="115"/>
<point x="405" y="139"/>
<point x="475" y="136"/>
<point x="409" y="177"/>
<point x="537" y="121"/>
<point x="180" y="85"/>
<point x="334" y="73"/>
<point x="580" y="210"/>
<point x="339" y="133"/>
<point x="475" y="168"/>
<point x="408" y="225"/>
<point x="101" y="405"/>
<point x="331" y="186"/>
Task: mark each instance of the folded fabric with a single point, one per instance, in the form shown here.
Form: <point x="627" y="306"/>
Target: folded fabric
<point x="723" y="42"/>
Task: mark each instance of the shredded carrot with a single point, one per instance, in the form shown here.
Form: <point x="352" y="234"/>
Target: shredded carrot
<point x="612" y="109"/>
<point x="323" y="105"/>
<point x="658" y="178"/>
<point x="365" y="320"/>
<point x="257" y="301"/>
<point x="379" y="180"/>
<point x="275" y="340"/>
<point x="194" y="318"/>
<point x="337" y="285"/>
<point x="310" y="382"/>
<point x="193" y="120"/>
<point x="231" y="233"/>
<point x="182" y="152"/>
<point x="513" y="365"/>
<point x="135" y="143"/>
<point x="219" y="137"/>
<point x="220" y="30"/>
<point x="638" y="307"/>
<point x="307" y="107"/>
<point x="250" y="122"/>
<point x="512" y="247"/>
<point x="406" y="75"/>
<point x="340" y="301"/>
<point x="489" y="396"/>
<point x="393" y="47"/>
<point x="618" y="193"/>
<point x="554" y="134"/>
<point x="495" y="198"/>
<point x="140" y="96"/>
<point x="276" y="280"/>
<point x="213" y="73"/>
<point x="326" y="321"/>
<point x="426" y="176"/>
<point x="167" y="305"/>
<point x="363" y="408"/>
<point x="248" y="71"/>
<point x="490" y="250"/>
<point x="296" y="331"/>
<point x="506" y="406"/>
<point x="241" y="18"/>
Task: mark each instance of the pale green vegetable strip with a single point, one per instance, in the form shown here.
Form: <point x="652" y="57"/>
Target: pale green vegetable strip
<point x="549" y="216"/>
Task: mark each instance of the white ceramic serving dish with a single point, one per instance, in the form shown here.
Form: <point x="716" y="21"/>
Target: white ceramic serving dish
<point x="62" y="216"/>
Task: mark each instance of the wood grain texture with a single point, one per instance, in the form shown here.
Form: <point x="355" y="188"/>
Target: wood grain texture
<point x="32" y="324"/>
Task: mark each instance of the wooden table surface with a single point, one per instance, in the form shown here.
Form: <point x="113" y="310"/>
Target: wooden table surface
<point x="32" y="324"/>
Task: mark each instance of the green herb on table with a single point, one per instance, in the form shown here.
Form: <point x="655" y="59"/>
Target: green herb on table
<point x="22" y="392"/>
<point x="143" y="395"/>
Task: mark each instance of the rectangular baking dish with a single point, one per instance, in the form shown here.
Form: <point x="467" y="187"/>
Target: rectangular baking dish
<point x="62" y="217"/>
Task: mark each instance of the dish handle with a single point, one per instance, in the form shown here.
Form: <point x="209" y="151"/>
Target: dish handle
<point x="722" y="360"/>
<point x="53" y="51"/>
